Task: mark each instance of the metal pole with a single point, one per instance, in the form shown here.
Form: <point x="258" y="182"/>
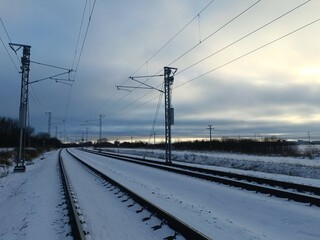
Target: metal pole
<point x="25" y="69"/>
<point x="100" y="129"/>
<point x="100" y="125"/>
<point x="56" y="132"/>
<point x="49" y="123"/>
<point x="169" y="114"/>
<point x="210" y="129"/>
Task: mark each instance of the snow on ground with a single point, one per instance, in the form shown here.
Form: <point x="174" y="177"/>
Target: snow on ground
<point x="6" y="149"/>
<point x="299" y="167"/>
<point x="4" y="170"/>
<point x="219" y="211"/>
<point x="29" y="203"/>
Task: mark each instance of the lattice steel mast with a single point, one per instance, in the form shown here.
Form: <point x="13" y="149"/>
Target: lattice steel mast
<point x="25" y="69"/>
<point x="169" y="111"/>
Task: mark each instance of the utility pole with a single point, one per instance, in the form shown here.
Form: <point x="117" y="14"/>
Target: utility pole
<point x="25" y="69"/>
<point x="49" y="123"/>
<point x="154" y="138"/>
<point x="87" y="135"/>
<point x="100" y="129"/>
<point x="56" y="131"/>
<point x="64" y="130"/>
<point x="100" y="125"/>
<point x="210" y="129"/>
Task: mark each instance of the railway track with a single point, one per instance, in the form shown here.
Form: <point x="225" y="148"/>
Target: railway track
<point x="124" y="194"/>
<point x="77" y="228"/>
<point x="291" y="191"/>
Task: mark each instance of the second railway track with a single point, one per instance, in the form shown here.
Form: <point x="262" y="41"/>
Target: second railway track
<point x="281" y="189"/>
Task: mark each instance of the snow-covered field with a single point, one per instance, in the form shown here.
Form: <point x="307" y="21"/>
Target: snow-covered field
<point x="218" y="211"/>
<point x="31" y="204"/>
<point x="251" y="164"/>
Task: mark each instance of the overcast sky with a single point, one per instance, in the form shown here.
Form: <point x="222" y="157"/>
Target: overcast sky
<point x="272" y="90"/>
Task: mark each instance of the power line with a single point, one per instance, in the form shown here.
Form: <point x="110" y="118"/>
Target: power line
<point x="49" y="65"/>
<point x="213" y="33"/>
<point x="173" y="37"/>
<point x="85" y="36"/>
<point x="79" y="34"/>
<point x="227" y="63"/>
<point x="33" y="95"/>
<point x="161" y="48"/>
<point x="121" y="110"/>
<point x="80" y="55"/>
<point x="5" y="29"/>
<point x="243" y="37"/>
<point x="250" y="52"/>
<point x="14" y="64"/>
<point x="205" y="39"/>
<point x="36" y="101"/>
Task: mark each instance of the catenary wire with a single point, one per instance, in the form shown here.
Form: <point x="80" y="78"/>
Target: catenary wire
<point x="14" y="64"/>
<point x="243" y="37"/>
<point x="206" y="38"/>
<point x="221" y="50"/>
<point x="160" y="49"/>
<point x="33" y="95"/>
<point x="5" y="29"/>
<point x="85" y="37"/>
<point x="173" y="37"/>
<point x="250" y="52"/>
<point x="79" y="35"/>
<point x="241" y="56"/>
<point x="79" y="58"/>
<point x="8" y="36"/>
<point x="213" y="33"/>
<point x="221" y="66"/>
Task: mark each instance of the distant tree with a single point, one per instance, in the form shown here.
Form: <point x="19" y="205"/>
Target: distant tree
<point x="9" y="132"/>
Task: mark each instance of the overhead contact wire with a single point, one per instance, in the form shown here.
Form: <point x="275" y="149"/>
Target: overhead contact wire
<point x="243" y="37"/>
<point x="250" y="52"/>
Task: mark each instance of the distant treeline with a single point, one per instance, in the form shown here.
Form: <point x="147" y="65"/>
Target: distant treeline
<point x="249" y="146"/>
<point x="9" y="132"/>
<point x="268" y="146"/>
<point x="9" y="135"/>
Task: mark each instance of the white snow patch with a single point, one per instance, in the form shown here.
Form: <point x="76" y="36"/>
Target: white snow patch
<point x="290" y="166"/>
<point x="29" y="203"/>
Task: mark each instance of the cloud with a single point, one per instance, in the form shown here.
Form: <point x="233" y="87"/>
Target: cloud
<point x="273" y="90"/>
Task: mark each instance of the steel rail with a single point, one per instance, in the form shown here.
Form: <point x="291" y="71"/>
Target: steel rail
<point x="229" y="179"/>
<point x="174" y="223"/>
<point x="76" y="226"/>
